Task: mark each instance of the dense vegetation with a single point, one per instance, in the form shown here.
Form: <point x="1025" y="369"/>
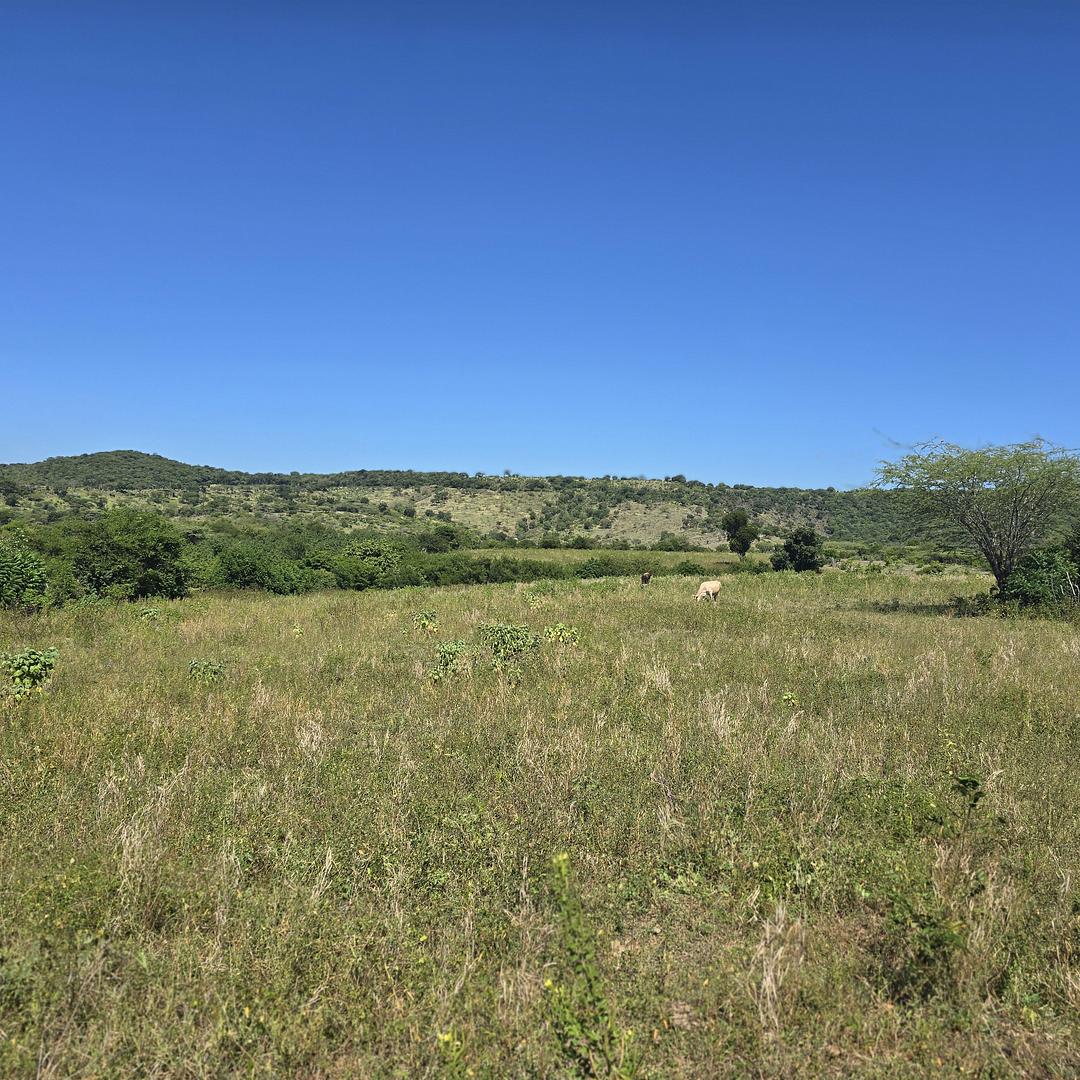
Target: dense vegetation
<point x="542" y="830"/>
<point x="529" y="509"/>
<point x="118" y="549"/>
<point x="127" y="554"/>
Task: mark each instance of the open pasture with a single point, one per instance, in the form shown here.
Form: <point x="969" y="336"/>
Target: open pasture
<point x="819" y="827"/>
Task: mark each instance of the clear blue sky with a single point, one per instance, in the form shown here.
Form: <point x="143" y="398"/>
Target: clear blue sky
<point x="751" y="242"/>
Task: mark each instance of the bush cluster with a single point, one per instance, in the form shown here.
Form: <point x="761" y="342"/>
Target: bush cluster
<point x="129" y="554"/>
<point x="801" y="551"/>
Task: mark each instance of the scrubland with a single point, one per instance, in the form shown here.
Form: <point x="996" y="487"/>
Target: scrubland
<point x="821" y="827"/>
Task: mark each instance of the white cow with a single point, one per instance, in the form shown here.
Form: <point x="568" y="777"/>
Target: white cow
<point x="708" y="590"/>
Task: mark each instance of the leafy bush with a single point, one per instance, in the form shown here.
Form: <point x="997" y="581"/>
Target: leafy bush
<point x="28" y="671"/>
<point x="561" y="634"/>
<point x="22" y="574"/>
<point x="751" y="566"/>
<point x="689" y="568"/>
<point x="802" y="551"/>
<point x="922" y="942"/>
<point x="206" y="671"/>
<point x="508" y="646"/>
<point x="1072" y="544"/>
<point x="367" y="563"/>
<point x="251" y="562"/>
<point x="451" y="657"/>
<point x="600" y="566"/>
<point x="670" y="541"/>
<point x="442" y="538"/>
<point x="125" y="554"/>
<point x="973" y="606"/>
<point x="1047" y="577"/>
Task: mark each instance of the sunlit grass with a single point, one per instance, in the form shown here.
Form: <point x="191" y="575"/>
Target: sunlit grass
<point x="818" y="827"/>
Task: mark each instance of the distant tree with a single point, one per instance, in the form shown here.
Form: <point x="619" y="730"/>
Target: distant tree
<point x="802" y="551"/>
<point x="440" y="538"/>
<point x="1003" y="497"/>
<point x="10" y="492"/>
<point x="740" y="531"/>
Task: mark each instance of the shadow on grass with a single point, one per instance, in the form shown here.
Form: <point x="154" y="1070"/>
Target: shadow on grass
<point x="905" y="607"/>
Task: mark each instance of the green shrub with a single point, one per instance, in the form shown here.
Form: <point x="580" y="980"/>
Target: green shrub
<point x="125" y="554"/>
<point x="751" y="566"/>
<point x="966" y="607"/>
<point x="600" y="566"/>
<point x="22" y="574"/>
<point x="689" y="568"/>
<point x="802" y="551"/>
<point x="508" y="646"/>
<point x="451" y="657"/>
<point x="28" y="671"/>
<point x="206" y="671"/>
<point x="1045" y="578"/>
<point x="922" y="943"/>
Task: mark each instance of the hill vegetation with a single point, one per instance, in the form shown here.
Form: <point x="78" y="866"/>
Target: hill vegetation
<point x="532" y="510"/>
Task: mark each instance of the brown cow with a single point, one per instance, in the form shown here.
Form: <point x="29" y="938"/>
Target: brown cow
<point x="645" y="578"/>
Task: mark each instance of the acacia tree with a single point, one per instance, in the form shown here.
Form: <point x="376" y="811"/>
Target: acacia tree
<point x="1003" y="497"/>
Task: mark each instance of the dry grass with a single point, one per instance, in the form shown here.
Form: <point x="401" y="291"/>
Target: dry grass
<point x="326" y="864"/>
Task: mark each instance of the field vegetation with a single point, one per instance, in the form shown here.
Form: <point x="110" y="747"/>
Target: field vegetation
<point x="576" y="827"/>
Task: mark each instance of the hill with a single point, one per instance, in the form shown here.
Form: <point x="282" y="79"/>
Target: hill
<point x="624" y="510"/>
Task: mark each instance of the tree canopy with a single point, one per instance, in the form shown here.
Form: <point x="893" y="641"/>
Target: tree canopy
<point x="1003" y="497"/>
<point x="740" y="531"/>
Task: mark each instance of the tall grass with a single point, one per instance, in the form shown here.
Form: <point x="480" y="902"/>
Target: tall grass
<point x="819" y="827"/>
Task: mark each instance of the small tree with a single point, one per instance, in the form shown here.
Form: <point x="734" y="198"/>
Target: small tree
<point x="802" y="550"/>
<point x="1003" y="497"/>
<point x="740" y="530"/>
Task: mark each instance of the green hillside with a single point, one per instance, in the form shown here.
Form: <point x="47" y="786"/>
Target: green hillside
<point x="609" y="509"/>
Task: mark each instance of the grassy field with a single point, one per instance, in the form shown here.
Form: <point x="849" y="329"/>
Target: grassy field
<point x="818" y="828"/>
<point x="713" y="562"/>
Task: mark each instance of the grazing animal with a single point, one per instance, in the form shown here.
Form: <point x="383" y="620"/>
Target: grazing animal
<point x="646" y="578"/>
<point x="708" y="590"/>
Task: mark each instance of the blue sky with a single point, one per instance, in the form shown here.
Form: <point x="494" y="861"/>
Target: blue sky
<point x="754" y="242"/>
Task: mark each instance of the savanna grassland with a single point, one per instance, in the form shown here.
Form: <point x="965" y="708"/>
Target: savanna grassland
<point x="821" y="827"/>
